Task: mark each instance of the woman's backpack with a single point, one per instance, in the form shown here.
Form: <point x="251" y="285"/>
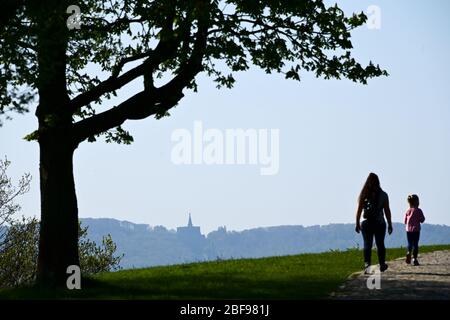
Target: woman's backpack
<point x="371" y="207"/>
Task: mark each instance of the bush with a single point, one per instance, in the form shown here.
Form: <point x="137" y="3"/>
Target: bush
<point x="19" y="252"/>
<point x="94" y="258"/>
<point x="8" y="195"/>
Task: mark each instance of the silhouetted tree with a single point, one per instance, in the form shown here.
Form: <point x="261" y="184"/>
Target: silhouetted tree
<point x="166" y="43"/>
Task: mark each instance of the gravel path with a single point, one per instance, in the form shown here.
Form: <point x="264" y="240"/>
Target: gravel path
<point x="429" y="281"/>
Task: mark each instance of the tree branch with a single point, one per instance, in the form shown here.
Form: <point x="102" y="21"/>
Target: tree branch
<point x="165" y="49"/>
<point x="151" y="100"/>
<point x="113" y="117"/>
<point x="193" y="65"/>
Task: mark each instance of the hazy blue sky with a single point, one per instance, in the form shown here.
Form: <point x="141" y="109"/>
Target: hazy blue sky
<point x="332" y="134"/>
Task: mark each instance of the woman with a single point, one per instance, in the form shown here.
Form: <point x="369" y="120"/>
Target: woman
<point x="373" y="201"/>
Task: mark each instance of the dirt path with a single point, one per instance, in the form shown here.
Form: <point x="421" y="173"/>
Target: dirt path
<point x="430" y="280"/>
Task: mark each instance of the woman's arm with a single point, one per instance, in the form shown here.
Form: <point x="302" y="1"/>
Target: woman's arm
<point x="358" y="217"/>
<point x="387" y="212"/>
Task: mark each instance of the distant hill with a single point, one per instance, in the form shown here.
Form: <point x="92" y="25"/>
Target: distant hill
<point x="144" y="245"/>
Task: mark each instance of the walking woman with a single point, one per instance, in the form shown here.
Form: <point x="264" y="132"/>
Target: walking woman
<point x="373" y="204"/>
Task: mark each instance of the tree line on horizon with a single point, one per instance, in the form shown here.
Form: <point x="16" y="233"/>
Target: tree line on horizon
<point x="145" y="246"/>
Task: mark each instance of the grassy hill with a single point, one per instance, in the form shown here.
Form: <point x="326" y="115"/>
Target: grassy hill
<point x="304" y="276"/>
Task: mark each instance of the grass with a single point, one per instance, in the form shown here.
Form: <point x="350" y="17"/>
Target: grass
<point x="304" y="276"/>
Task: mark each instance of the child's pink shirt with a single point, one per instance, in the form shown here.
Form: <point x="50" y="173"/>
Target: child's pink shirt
<point x="413" y="218"/>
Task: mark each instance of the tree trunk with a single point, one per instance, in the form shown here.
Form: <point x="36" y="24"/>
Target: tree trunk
<point x="58" y="243"/>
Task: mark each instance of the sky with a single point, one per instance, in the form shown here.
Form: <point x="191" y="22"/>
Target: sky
<point x="331" y="135"/>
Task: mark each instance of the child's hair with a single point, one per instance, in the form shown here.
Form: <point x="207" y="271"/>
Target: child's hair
<point x="413" y="199"/>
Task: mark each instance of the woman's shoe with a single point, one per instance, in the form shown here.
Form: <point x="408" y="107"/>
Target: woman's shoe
<point x="408" y="258"/>
<point x="367" y="268"/>
<point x="383" y="267"/>
<point x="416" y="262"/>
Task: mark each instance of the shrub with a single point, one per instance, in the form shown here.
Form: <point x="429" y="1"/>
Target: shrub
<point x="19" y="252"/>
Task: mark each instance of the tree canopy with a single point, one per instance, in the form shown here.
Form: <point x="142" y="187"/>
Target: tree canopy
<point x="165" y="43"/>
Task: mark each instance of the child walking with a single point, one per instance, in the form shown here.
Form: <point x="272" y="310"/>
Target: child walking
<point x="413" y="218"/>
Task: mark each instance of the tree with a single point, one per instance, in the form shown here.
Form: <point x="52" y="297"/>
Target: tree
<point x="165" y="43"/>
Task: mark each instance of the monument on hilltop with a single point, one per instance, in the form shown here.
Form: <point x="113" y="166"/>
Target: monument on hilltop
<point x="191" y="236"/>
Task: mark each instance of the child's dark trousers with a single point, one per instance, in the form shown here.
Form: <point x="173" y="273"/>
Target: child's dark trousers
<point x="413" y="243"/>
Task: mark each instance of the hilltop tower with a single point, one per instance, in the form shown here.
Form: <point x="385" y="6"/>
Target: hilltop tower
<point x="191" y="236"/>
<point x="190" y="221"/>
<point x="190" y="231"/>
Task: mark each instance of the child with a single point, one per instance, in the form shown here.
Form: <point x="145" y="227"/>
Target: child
<point x="413" y="218"/>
